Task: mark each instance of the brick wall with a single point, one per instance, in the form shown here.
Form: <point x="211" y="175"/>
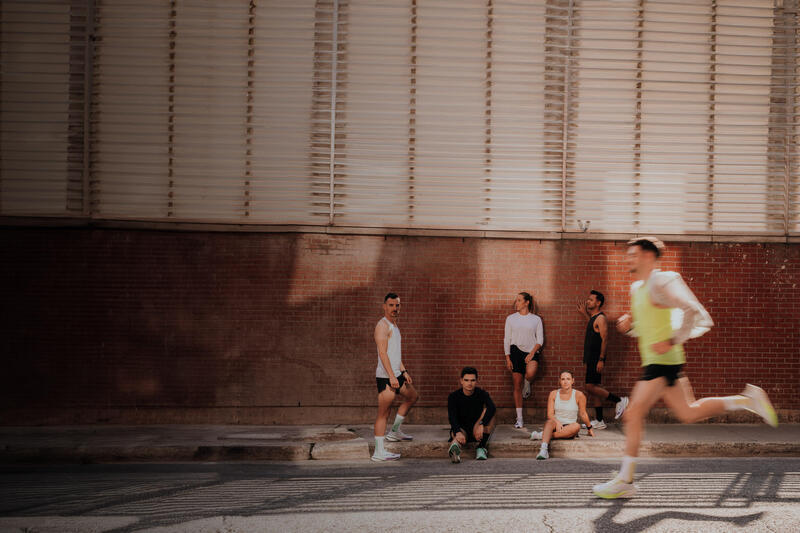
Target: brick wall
<point x="150" y="326"/>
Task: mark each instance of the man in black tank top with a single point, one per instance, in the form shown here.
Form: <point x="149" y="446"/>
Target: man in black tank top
<point x="594" y="357"/>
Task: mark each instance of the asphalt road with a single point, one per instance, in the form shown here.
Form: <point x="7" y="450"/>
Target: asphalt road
<point x="759" y="494"/>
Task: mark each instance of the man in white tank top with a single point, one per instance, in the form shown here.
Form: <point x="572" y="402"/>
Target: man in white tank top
<point x="392" y="379"/>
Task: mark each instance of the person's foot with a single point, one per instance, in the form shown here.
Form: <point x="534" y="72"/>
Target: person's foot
<point x="481" y="454"/>
<point x="760" y="404"/>
<point x="526" y="389"/>
<point x="598" y="424"/>
<point x="543" y="454"/>
<point x="620" y="407"/>
<point x="397" y="436"/>
<point x="536" y="435"/>
<point x="519" y="424"/>
<point x="616" y="488"/>
<point x="385" y="456"/>
<point x="455" y="452"/>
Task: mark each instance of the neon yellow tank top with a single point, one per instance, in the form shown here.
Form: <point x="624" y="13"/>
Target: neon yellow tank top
<point x="653" y="324"/>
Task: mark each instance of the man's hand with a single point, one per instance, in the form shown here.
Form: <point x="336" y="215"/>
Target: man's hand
<point x="600" y="365"/>
<point x="509" y="366"/>
<point x="624" y="323"/>
<point x="582" y="308"/>
<point x="393" y="383"/>
<point x="591" y="432"/>
<point x="661" y="347"/>
<point x="460" y="438"/>
<point x="478" y="432"/>
<point x="408" y="378"/>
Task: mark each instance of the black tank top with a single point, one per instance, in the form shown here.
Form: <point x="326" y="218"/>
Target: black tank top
<point x="592" y="342"/>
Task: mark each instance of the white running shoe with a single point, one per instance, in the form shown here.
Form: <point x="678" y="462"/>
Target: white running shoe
<point x="598" y="424"/>
<point x="536" y="435"/>
<point x="760" y="404"/>
<point x="616" y="488"/>
<point x="385" y="456"/>
<point x="622" y="404"/>
<point x="526" y="389"/>
<point x="397" y="436"/>
<point x="543" y="454"/>
<point x="519" y="424"/>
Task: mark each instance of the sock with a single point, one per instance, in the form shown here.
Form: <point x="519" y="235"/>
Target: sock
<point x="612" y="398"/>
<point x="599" y="412"/>
<point x="528" y="383"/>
<point x="735" y="403"/>
<point x="544" y="446"/>
<point x="397" y="421"/>
<point x="379" y="445"/>
<point x="519" y="413"/>
<point x="628" y="468"/>
<point x="484" y="443"/>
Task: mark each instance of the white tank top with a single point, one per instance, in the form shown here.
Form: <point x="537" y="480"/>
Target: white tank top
<point x="566" y="411"/>
<point x="393" y="350"/>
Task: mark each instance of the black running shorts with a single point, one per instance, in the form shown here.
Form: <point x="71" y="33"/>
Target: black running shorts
<point x="517" y="356"/>
<point x="384" y="382"/>
<point x="671" y="372"/>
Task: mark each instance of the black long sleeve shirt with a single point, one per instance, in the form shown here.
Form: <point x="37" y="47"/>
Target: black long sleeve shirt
<point x="463" y="409"/>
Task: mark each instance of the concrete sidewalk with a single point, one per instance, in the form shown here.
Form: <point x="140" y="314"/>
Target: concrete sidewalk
<point x="179" y="443"/>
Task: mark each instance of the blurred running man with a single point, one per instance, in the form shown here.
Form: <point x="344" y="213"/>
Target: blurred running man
<point x="522" y="342"/>
<point x="392" y="379"/>
<point x="654" y="297"/>
<point x="594" y="357"/>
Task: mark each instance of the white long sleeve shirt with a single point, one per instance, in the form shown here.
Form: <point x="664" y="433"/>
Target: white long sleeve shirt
<point x="523" y="330"/>
<point x="689" y="318"/>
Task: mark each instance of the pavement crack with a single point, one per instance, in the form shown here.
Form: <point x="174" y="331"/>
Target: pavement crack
<point x="311" y="450"/>
<point x="544" y="521"/>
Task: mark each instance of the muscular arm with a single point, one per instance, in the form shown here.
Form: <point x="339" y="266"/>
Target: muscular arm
<point x="489" y="406"/>
<point x="601" y="327"/>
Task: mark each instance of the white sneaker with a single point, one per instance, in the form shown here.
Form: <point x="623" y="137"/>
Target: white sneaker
<point x="543" y="454"/>
<point x="616" y="488"/>
<point x="385" y="456"/>
<point x="536" y="435"/>
<point x="598" y="424"/>
<point x="526" y="389"/>
<point x="760" y="404"/>
<point x="397" y="436"/>
<point x="518" y="424"/>
<point x="622" y="404"/>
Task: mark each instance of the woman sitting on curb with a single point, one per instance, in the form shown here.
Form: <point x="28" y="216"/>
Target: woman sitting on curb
<point x="563" y="407"/>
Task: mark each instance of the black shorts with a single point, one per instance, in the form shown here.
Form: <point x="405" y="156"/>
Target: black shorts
<point x="518" y="359"/>
<point x="467" y="426"/>
<point x="384" y="382"/>
<point x="592" y="375"/>
<point x="671" y="372"/>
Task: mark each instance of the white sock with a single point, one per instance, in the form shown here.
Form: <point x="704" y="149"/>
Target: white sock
<point x="628" y="468"/>
<point x="379" y="445"/>
<point x="545" y="446"/>
<point x="519" y="413"/>
<point x="528" y="383"/>
<point x="735" y="403"/>
<point x="397" y="421"/>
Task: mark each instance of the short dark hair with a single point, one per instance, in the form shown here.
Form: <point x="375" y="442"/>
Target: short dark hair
<point x="390" y="296"/>
<point x="599" y="295"/>
<point x="568" y="372"/>
<point x="469" y="370"/>
<point x="651" y="244"/>
<point x="528" y="298"/>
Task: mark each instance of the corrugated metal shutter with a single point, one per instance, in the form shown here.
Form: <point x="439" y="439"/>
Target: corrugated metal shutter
<point x="673" y="130"/>
<point x="41" y="100"/>
<point x="203" y="111"/>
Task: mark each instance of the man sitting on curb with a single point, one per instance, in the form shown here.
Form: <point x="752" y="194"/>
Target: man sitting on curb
<point x="471" y="412"/>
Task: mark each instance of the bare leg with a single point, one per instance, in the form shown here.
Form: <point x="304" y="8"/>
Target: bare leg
<point x="568" y="431"/>
<point x="676" y="399"/>
<point x="517" y="379"/>
<point x="530" y="369"/>
<point x="385" y="400"/>
<point x="645" y="395"/>
<point x="410" y="397"/>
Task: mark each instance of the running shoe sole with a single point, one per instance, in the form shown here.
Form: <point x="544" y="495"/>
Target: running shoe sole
<point x="763" y="407"/>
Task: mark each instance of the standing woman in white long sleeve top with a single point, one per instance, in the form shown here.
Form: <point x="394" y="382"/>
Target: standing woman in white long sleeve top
<point x="523" y="341"/>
